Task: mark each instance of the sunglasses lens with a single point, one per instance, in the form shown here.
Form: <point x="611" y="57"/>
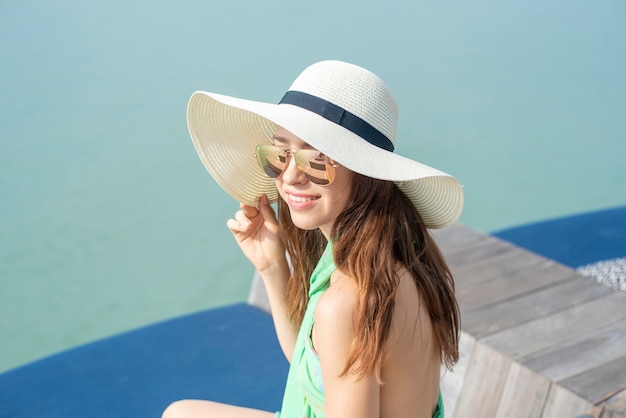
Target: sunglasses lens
<point x="271" y="159"/>
<point x="317" y="167"/>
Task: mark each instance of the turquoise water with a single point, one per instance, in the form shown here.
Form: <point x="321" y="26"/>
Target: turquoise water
<point x="108" y="221"/>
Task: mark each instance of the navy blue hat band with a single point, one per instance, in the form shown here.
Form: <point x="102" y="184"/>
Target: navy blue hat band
<point x="338" y="115"/>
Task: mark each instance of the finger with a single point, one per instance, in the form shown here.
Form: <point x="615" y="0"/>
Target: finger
<point x="250" y="211"/>
<point x="237" y="228"/>
<point x="266" y="210"/>
<point x="243" y="220"/>
<point x="234" y="226"/>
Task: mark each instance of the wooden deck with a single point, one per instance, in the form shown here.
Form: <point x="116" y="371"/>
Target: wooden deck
<point x="538" y="339"/>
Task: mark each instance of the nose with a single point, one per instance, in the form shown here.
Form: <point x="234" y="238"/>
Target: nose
<point x="292" y="174"/>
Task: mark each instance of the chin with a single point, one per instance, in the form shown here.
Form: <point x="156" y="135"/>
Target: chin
<point x="305" y="224"/>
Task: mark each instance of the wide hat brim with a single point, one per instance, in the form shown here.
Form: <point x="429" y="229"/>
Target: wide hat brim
<point x="226" y="130"/>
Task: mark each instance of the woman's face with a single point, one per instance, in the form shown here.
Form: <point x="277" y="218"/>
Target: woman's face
<point x="311" y="205"/>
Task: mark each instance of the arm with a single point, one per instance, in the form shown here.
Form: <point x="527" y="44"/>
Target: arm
<point x="257" y="233"/>
<point x="346" y="396"/>
<point x="275" y="280"/>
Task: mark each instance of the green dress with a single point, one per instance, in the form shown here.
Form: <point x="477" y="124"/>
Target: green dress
<point x="304" y="394"/>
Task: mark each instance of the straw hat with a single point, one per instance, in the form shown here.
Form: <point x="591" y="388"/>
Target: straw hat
<point x="344" y="111"/>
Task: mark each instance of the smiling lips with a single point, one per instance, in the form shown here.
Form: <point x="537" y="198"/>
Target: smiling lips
<point x="301" y="200"/>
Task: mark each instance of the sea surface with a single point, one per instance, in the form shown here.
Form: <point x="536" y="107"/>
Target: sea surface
<point x="108" y="220"/>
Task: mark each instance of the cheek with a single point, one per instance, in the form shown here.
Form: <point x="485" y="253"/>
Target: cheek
<point x="343" y="191"/>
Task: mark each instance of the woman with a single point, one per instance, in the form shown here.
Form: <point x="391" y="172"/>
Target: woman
<point x="365" y="311"/>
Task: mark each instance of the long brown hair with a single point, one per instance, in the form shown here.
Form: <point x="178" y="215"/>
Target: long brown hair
<point x="389" y="231"/>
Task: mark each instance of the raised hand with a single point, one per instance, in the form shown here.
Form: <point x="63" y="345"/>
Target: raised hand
<point x="257" y="233"/>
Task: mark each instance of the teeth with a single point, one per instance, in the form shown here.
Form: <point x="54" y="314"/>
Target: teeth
<point x="301" y="199"/>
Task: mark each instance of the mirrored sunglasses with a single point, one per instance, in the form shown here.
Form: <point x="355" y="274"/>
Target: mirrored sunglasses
<point x="317" y="167"/>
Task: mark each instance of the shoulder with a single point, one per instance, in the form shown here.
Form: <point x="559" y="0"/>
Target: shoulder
<point x="333" y="335"/>
<point x="334" y="330"/>
<point x="336" y="305"/>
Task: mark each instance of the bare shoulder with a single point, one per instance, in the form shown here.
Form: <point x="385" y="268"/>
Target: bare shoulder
<point x="347" y="394"/>
<point x="335" y="307"/>
<point x="333" y="330"/>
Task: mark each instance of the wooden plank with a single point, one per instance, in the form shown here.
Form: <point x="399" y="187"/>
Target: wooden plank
<point x="455" y="237"/>
<point x="507" y="313"/>
<point x="600" y="383"/>
<point x="478" y="249"/>
<point x="537" y="311"/>
<point x="517" y="283"/>
<point x="581" y="355"/>
<point x="500" y="264"/>
<point x="452" y="382"/>
<point x="559" y="328"/>
<point x="484" y="381"/>
<point x="562" y="403"/>
<point x="525" y="393"/>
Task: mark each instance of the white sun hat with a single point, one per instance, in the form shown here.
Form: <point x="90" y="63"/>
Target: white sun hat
<point x="342" y="110"/>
